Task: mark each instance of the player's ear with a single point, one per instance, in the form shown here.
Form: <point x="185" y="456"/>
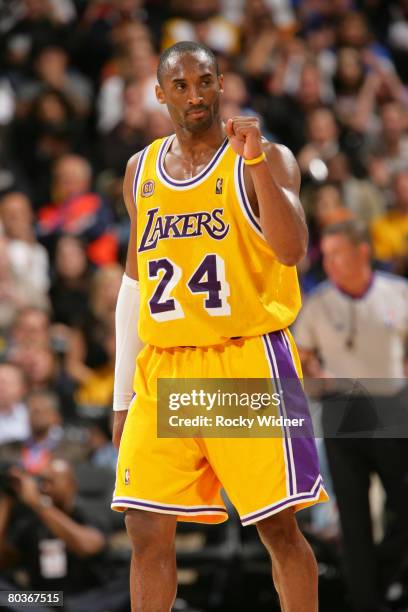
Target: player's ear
<point x="160" y="95"/>
<point x="221" y="82"/>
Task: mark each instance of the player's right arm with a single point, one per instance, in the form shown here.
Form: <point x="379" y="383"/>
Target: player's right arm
<point x="131" y="259"/>
<point x="127" y="341"/>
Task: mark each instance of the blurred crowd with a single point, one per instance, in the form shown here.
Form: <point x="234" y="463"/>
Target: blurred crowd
<point x="327" y="79"/>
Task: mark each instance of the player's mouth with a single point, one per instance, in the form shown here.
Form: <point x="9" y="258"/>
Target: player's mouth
<point x="197" y="113"/>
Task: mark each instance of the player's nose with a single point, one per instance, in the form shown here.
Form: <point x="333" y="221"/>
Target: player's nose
<point x="195" y="98"/>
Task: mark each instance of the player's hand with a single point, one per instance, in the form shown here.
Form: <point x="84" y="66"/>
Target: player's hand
<point x="244" y="134"/>
<point x="119" y="419"/>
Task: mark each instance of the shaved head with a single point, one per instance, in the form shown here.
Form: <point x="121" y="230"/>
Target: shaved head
<point x="182" y="48"/>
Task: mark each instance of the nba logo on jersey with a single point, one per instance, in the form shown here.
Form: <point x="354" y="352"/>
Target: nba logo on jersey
<point x="147" y="189"/>
<point x="218" y="186"/>
<point x="127" y="476"/>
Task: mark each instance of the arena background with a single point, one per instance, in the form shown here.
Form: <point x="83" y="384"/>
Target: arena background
<point x="327" y="79"/>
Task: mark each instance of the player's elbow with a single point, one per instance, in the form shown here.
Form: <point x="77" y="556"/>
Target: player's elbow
<point x="292" y="256"/>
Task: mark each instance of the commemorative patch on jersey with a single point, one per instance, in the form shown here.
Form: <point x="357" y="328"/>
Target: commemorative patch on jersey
<point x="147" y="188"/>
<point x="218" y="186"/>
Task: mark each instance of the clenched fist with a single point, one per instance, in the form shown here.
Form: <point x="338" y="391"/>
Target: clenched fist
<point x="244" y="134"/>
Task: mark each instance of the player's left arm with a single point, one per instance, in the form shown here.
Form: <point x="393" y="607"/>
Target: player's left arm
<point x="273" y="186"/>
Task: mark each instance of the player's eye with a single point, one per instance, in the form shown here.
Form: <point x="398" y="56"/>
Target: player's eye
<point x="180" y="86"/>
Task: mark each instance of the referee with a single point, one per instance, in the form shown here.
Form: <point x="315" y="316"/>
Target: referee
<point x="352" y="332"/>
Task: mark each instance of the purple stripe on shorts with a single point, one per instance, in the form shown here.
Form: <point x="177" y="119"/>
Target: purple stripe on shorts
<point x="195" y="179"/>
<point x="175" y="508"/>
<point x="287" y="449"/>
<point x="296" y="498"/>
<point x="303" y="443"/>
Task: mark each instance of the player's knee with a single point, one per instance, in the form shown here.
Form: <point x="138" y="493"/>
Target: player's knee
<point x="150" y="533"/>
<point x="280" y="531"/>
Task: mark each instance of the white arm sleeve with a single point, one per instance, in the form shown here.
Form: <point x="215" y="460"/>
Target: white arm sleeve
<point x="128" y="343"/>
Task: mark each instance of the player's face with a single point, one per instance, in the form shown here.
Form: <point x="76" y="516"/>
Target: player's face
<point x="191" y="90"/>
<point x="341" y="258"/>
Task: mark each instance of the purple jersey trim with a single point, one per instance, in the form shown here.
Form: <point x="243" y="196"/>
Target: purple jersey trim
<point x="289" y="501"/>
<point x="173" y="182"/>
<point x="137" y="173"/>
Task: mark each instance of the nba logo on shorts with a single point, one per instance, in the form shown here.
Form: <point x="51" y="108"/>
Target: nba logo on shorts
<point x="218" y="186"/>
<point x="147" y="189"/>
<point x="127" y="476"/>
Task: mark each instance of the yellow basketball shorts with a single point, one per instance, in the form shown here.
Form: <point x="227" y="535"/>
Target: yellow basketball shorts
<point x="184" y="476"/>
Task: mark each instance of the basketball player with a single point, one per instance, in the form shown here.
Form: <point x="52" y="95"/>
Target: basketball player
<point x="216" y="231"/>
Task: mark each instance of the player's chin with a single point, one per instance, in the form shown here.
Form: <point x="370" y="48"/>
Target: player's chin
<point x="199" y="125"/>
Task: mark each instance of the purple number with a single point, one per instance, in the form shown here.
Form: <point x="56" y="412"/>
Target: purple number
<point x="156" y="306"/>
<point x="212" y="285"/>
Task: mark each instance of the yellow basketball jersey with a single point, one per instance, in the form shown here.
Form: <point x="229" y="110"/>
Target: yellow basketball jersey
<point x="206" y="271"/>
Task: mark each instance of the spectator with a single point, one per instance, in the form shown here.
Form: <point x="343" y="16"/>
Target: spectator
<point x="14" y="422"/>
<point x="351" y="84"/>
<point x="260" y="38"/>
<point x="353" y="32"/>
<point x="389" y="151"/>
<point x="235" y="100"/>
<point x="322" y="144"/>
<point x="95" y="394"/>
<point x="327" y="208"/>
<point x="100" y="22"/>
<point x="200" y="21"/>
<point x="30" y="329"/>
<point x="59" y="547"/>
<point x="102" y="451"/>
<point x="360" y="196"/>
<point x="46" y="431"/>
<point x="398" y="36"/>
<point x="49" y="130"/>
<point x="43" y="361"/>
<point x="39" y="367"/>
<point x="128" y="135"/>
<point x="15" y="292"/>
<point x="71" y="277"/>
<point x="390" y="231"/>
<point x="286" y="116"/>
<point x="38" y="24"/>
<point x="78" y="211"/>
<point x="52" y="72"/>
<point x="29" y="259"/>
<point x="7" y="101"/>
<point x="87" y="350"/>
<point x="349" y="329"/>
<point x="135" y="61"/>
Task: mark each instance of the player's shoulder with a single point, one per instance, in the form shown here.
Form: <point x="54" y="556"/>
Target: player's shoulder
<point x="131" y="168"/>
<point x="277" y="150"/>
<point x="134" y="161"/>
<point x="280" y="156"/>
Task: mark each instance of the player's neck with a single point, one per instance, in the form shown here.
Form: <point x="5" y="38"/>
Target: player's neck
<point x="188" y="144"/>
